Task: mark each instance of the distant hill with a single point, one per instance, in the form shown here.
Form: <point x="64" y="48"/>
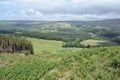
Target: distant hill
<point x="64" y="30"/>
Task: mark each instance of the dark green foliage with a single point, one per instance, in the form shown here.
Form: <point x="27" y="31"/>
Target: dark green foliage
<point x="61" y="36"/>
<point x="109" y="34"/>
<point x="12" y="44"/>
<point x="75" y="43"/>
<point x="88" y="46"/>
<point x="7" y="31"/>
<point x="117" y="40"/>
<point x="115" y="63"/>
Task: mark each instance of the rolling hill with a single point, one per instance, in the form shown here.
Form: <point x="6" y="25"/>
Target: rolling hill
<point x="67" y="64"/>
<point x="52" y="61"/>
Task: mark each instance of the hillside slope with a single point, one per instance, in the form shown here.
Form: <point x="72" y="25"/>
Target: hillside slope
<point x="87" y="64"/>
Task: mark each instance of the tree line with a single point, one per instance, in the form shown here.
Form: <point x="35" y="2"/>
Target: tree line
<point x="76" y="43"/>
<point x="12" y="44"/>
<point x="60" y="36"/>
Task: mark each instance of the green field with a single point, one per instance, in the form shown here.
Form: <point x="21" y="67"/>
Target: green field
<point x="94" y="43"/>
<point x="52" y="62"/>
<point x="49" y="46"/>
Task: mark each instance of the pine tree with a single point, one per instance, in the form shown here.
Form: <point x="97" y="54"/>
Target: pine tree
<point x="14" y="44"/>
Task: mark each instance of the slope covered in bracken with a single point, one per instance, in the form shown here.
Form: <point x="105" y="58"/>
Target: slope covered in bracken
<point x="86" y="64"/>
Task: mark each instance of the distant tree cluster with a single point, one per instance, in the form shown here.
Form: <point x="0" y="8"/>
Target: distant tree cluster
<point x="7" y="31"/>
<point x="47" y="36"/>
<point x="60" y="36"/>
<point x="75" y="43"/>
<point x="117" y="40"/>
<point x="12" y="44"/>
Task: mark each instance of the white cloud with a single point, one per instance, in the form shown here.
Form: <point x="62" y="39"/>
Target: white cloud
<point x="60" y="9"/>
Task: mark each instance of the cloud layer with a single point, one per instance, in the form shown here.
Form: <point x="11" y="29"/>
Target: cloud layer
<point x="55" y="10"/>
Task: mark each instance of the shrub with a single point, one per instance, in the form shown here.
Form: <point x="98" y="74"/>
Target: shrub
<point x="25" y="52"/>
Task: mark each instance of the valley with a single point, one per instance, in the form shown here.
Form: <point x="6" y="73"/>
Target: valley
<point x="63" y="50"/>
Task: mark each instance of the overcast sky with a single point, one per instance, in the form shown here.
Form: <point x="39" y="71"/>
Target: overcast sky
<point x="59" y="10"/>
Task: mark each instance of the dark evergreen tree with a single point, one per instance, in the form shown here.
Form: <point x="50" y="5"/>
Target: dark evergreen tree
<point x="12" y="44"/>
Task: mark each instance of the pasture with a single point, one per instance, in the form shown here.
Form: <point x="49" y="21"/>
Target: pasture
<point x="94" y="43"/>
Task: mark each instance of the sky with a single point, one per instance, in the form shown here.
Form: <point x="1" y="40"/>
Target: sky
<point x="59" y="10"/>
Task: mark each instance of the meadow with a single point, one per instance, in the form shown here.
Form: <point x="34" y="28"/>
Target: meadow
<point x="94" y="43"/>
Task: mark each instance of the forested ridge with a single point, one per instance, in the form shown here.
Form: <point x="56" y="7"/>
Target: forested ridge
<point x="64" y="31"/>
<point x="12" y="44"/>
<point x="59" y="36"/>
